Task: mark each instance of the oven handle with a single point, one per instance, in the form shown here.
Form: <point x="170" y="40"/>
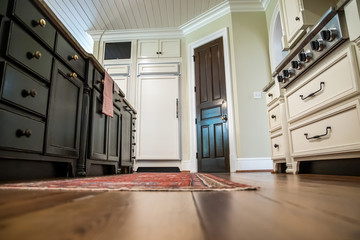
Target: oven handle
<point x="313" y="94"/>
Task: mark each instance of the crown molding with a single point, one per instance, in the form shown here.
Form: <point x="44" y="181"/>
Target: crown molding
<point x="130" y="34"/>
<point x="246" y="6"/>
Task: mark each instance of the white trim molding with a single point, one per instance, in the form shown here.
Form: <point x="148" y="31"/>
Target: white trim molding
<point x="244" y="164"/>
<point x="191" y="76"/>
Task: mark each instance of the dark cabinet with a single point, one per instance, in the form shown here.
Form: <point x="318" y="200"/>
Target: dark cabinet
<point x="64" y="117"/>
<point x="115" y="135"/>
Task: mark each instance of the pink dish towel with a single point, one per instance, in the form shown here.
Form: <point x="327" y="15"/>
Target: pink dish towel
<point x="108" y="107"/>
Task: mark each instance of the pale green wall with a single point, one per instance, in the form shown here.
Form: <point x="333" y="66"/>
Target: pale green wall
<point x="250" y="70"/>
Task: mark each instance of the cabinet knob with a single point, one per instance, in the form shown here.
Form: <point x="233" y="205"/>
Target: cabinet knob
<point x="31" y="92"/>
<point x="276" y="145"/>
<point x="73" y="75"/>
<point x="273" y="116"/>
<point x="117" y="100"/>
<point x="100" y="81"/>
<point x="75" y="57"/>
<point x="37" y="55"/>
<point x="297" y="19"/>
<point x="26" y="133"/>
<point x="42" y="22"/>
<point x="270" y="94"/>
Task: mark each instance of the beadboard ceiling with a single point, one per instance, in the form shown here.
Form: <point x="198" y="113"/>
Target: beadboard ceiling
<point x="82" y="16"/>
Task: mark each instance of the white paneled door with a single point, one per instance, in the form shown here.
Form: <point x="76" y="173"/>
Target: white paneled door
<point x="158" y="111"/>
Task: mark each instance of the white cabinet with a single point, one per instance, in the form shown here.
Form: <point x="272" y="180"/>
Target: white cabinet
<point x="297" y="15"/>
<point x="158" y="122"/>
<point x="166" y="48"/>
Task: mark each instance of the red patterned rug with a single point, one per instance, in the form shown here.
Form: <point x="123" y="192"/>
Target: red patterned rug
<point x="137" y="182"/>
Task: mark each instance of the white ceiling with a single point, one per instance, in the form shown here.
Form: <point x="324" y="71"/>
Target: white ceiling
<point x="81" y="16"/>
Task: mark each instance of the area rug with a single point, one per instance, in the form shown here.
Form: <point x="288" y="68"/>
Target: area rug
<point x="137" y="182"/>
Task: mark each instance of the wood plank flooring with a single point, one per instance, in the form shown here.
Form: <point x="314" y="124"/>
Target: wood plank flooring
<point x="285" y="207"/>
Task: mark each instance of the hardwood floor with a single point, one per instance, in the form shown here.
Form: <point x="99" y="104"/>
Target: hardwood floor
<point x="285" y="207"/>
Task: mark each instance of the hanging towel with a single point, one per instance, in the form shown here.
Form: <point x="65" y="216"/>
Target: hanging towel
<point x="108" y="108"/>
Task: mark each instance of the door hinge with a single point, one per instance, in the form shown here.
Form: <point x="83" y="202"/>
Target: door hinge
<point x="194" y="89"/>
<point x="195" y="120"/>
<point x="197" y="155"/>
<point x="193" y="58"/>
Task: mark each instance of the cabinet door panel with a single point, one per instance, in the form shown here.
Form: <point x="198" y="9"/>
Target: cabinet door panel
<point x="169" y="48"/>
<point x="148" y="48"/>
<point x="126" y="134"/>
<point x="158" y="123"/>
<point x="99" y="129"/>
<point x="63" y="129"/>
<point x="114" y="136"/>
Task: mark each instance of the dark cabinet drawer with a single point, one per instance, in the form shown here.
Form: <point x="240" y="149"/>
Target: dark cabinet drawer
<point x="25" y="50"/>
<point x="98" y="81"/>
<point x="33" y="19"/>
<point x="117" y="99"/>
<point x="24" y="91"/>
<point x="19" y="132"/>
<point x="70" y="56"/>
<point x="3" y="7"/>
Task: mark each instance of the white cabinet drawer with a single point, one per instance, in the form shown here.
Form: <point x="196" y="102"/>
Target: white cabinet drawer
<point x="272" y="94"/>
<point x="163" y="68"/>
<point x="277" y="147"/>
<point x="336" y="131"/>
<point x="333" y="81"/>
<point x="274" y="117"/>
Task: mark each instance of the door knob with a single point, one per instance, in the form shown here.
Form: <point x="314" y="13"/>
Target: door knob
<point x="224" y="118"/>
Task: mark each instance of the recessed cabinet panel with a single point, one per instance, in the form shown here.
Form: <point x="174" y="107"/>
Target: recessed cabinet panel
<point x="21" y="133"/>
<point x="166" y="48"/>
<point x="34" y="20"/>
<point x="114" y="136"/>
<point x="148" y="48"/>
<point x="64" y="118"/>
<point x="126" y="134"/>
<point x="99" y="129"/>
<point x="169" y="48"/>
<point x="29" y="52"/>
<point x="24" y="91"/>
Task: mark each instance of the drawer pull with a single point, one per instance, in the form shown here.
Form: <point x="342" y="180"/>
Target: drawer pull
<point x="102" y="81"/>
<point x="276" y="145"/>
<point x="37" y="55"/>
<point x="297" y="19"/>
<point x="42" y="22"/>
<point x="313" y="94"/>
<point x="75" y="57"/>
<point x="73" y="75"/>
<point x="318" y="136"/>
<point x="273" y="116"/>
<point x="270" y="94"/>
<point x="117" y="100"/>
<point x="26" y="133"/>
<point x="31" y="93"/>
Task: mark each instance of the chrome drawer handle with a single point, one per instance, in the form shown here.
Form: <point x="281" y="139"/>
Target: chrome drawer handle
<point x="318" y="136"/>
<point x="313" y="94"/>
<point x="42" y="22"/>
<point x="31" y="93"/>
<point x="26" y="133"/>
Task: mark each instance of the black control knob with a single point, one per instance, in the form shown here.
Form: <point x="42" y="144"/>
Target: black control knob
<point x="305" y="56"/>
<point x="280" y="78"/>
<point x="297" y="64"/>
<point x="329" y="35"/>
<point x="288" y="73"/>
<point x="317" y="45"/>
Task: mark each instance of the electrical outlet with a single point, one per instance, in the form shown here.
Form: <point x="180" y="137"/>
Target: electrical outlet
<point x="257" y="94"/>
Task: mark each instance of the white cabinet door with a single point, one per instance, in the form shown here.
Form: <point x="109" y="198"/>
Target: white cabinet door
<point x="122" y="82"/>
<point x="148" y="48"/>
<point x="292" y="18"/>
<point x="158" y="118"/>
<point x="167" y="48"/>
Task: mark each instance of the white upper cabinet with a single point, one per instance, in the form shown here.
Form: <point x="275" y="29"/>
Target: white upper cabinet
<point x="166" y="48"/>
<point x="297" y="15"/>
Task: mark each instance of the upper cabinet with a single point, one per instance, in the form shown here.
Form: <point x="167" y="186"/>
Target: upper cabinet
<point x="297" y="15"/>
<point x="166" y="48"/>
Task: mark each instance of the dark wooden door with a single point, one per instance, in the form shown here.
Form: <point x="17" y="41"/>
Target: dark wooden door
<point x="211" y="108"/>
<point x="64" y="114"/>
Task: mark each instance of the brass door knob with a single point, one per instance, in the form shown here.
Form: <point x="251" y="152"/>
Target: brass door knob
<point x="37" y="54"/>
<point x="73" y="75"/>
<point x="224" y="118"/>
<point x="42" y="22"/>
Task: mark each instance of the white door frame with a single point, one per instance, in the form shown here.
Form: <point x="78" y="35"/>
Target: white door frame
<point x="229" y="96"/>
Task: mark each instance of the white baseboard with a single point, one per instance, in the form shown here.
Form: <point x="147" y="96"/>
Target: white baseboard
<point x="244" y="164"/>
<point x="185" y="165"/>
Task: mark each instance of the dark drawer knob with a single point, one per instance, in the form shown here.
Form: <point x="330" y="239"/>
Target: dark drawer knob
<point x="297" y="19"/>
<point x="73" y="75"/>
<point x="42" y="22"/>
<point x="75" y="57"/>
<point x="117" y="100"/>
<point x="270" y="94"/>
<point x="276" y="145"/>
<point x="37" y="55"/>
<point x="31" y="93"/>
<point x="273" y="116"/>
<point x="100" y="81"/>
<point x="26" y="133"/>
